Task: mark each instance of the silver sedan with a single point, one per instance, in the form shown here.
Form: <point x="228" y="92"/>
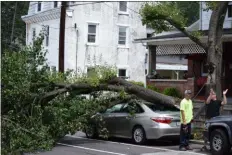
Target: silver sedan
<point x="149" y="121"/>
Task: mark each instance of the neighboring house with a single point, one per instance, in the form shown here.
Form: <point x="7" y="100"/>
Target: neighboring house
<point x="176" y="43"/>
<point x="100" y="33"/>
<point x="168" y="66"/>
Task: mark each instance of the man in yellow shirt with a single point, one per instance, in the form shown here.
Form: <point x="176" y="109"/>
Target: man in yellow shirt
<point x="186" y="116"/>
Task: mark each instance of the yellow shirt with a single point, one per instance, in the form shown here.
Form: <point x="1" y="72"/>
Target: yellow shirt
<point x="187" y="107"/>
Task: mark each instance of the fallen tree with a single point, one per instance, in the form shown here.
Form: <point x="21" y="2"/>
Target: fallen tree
<point x="116" y="85"/>
<point x="39" y="106"/>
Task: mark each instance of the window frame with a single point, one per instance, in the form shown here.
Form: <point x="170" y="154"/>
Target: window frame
<point x="123" y="104"/>
<point x="126" y="36"/>
<point x="37" y="9"/>
<point x="229" y="11"/>
<point x="96" y="33"/>
<point x="91" y="70"/>
<point x="202" y="69"/>
<point x="125" y="72"/>
<point x="119" y="7"/>
<point x="136" y="112"/>
<point x="55" y="2"/>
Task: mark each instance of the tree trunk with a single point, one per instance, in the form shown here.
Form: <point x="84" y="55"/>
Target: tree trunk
<point x="215" y="49"/>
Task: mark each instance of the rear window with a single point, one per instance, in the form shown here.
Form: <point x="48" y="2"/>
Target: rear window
<point x="157" y="108"/>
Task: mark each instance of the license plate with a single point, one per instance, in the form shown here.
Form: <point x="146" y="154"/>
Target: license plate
<point x="178" y="123"/>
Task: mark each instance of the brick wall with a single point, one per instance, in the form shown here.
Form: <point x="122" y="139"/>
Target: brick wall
<point x="181" y="85"/>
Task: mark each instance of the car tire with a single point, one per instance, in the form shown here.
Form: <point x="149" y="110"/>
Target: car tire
<point x="91" y="132"/>
<point x="219" y="143"/>
<point x="138" y="135"/>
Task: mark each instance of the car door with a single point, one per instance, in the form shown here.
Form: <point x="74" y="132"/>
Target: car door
<point x="122" y="121"/>
<point x="109" y="118"/>
<point x="126" y="120"/>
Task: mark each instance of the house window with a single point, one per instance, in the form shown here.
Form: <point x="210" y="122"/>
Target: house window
<point x="91" y="72"/>
<point x="33" y="34"/>
<point x="55" y="4"/>
<point x="92" y="33"/>
<point x="149" y="35"/>
<point x="47" y="35"/>
<point x="229" y="11"/>
<point x="39" y="6"/>
<point x="53" y="69"/>
<point x="122" y="73"/>
<point x="204" y="70"/>
<point x="145" y="71"/>
<point x="122" y="35"/>
<point x="123" y="6"/>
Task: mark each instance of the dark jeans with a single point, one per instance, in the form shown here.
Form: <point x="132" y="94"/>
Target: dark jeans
<point x="185" y="136"/>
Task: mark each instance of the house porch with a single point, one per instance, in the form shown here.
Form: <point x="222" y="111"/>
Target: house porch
<point x="196" y="57"/>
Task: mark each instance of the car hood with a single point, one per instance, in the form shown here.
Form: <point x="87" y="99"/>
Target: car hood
<point x="222" y="118"/>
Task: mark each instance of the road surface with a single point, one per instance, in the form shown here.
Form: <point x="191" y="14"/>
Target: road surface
<point x="78" y="144"/>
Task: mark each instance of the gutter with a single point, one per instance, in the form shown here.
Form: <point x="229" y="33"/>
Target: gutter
<point x="155" y="41"/>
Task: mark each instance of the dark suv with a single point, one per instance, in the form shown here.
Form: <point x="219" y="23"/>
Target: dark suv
<point x="218" y="131"/>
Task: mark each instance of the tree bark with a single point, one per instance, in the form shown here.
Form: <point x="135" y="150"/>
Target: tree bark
<point x="215" y="49"/>
<point x="115" y="84"/>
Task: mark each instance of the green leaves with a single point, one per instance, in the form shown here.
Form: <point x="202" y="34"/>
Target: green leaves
<point x="211" y="5"/>
<point x="159" y="15"/>
<point x="29" y="126"/>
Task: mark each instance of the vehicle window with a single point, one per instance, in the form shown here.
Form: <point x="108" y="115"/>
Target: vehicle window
<point x="157" y="108"/>
<point x="116" y="108"/>
<point x="130" y="107"/>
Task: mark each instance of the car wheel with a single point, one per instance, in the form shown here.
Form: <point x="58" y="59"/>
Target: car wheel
<point x="138" y="135"/>
<point x="219" y="143"/>
<point x="91" y="132"/>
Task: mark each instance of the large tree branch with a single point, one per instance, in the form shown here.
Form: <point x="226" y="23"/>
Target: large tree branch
<point x="144" y="93"/>
<point x="116" y="85"/>
<point x="51" y="95"/>
<point x="184" y="31"/>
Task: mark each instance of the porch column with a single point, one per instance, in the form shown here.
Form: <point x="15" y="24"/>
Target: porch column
<point x="152" y="58"/>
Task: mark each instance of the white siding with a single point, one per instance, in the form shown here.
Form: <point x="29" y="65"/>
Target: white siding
<point x="106" y="51"/>
<point x="205" y="18"/>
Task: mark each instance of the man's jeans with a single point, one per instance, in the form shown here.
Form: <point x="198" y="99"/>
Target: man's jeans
<point x="185" y="136"/>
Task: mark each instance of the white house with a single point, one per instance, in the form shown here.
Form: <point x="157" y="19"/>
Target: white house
<point x="96" y="33"/>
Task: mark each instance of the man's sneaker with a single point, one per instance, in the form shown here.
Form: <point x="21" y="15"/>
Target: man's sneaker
<point x="188" y="148"/>
<point x="182" y="149"/>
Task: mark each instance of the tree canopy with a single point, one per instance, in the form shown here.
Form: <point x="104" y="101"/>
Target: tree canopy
<point x="8" y="9"/>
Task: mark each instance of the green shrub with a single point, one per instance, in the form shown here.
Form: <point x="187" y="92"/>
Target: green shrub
<point x="172" y="92"/>
<point x="154" y="88"/>
<point x="137" y="83"/>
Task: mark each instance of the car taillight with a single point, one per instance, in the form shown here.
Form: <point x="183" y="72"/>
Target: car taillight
<point x="165" y="120"/>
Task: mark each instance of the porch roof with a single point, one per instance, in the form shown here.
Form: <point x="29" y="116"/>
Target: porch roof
<point x="179" y="35"/>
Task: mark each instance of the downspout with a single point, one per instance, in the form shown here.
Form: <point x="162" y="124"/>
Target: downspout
<point x="26" y="34"/>
<point x="77" y="35"/>
<point x="145" y="62"/>
<point x="201" y="14"/>
<point x="77" y="48"/>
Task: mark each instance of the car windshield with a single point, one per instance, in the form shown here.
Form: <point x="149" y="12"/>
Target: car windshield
<point x="158" y="107"/>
